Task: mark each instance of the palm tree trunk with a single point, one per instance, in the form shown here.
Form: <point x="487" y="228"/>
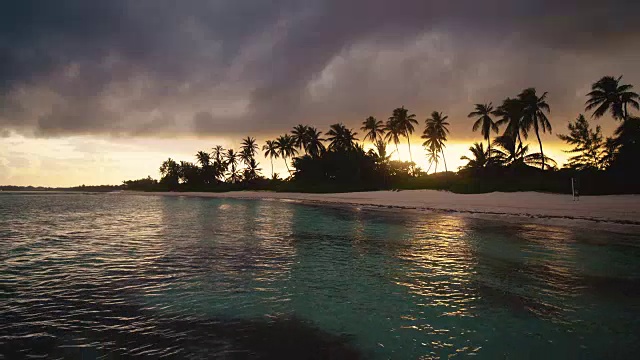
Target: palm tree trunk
<point x="430" y="165"/>
<point x="397" y="151"/>
<point x="626" y="112"/>
<point x="541" y="152"/>
<point x="286" y="163"/>
<point x="488" y="148"/>
<point x="520" y="141"/>
<point x="445" y="161"/>
<point x="409" y="143"/>
<point x="271" y="158"/>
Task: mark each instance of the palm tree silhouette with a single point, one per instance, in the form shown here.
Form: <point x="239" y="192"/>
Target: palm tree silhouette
<point x="245" y="156"/>
<point x="404" y="122"/>
<point x="506" y="153"/>
<point x="484" y="122"/>
<point x="341" y="138"/>
<point x="286" y="148"/>
<point x="204" y="159"/>
<point x="218" y="153"/>
<point x="231" y="159"/>
<point x="373" y="129"/>
<point x="511" y="113"/>
<point x="436" y="133"/>
<point x="252" y="170"/>
<point x="271" y="151"/>
<point x="299" y="134"/>
<point x="170" y="169"/>
<point x="480" y="157"/>
<point x="381" y="149"/>
<point x="608" y="94"/>
<point x="432" y="157"/>
<point x="188" y="172"/>
<point x="314" y="145"/>
<point x="393" y="133"/>
<point x="250" y="146"/>
<point x="534" y="114"/>
<point x="219" y="166"/>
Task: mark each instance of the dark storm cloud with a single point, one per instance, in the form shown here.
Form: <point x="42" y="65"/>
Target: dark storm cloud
<point x="145" y="67"/>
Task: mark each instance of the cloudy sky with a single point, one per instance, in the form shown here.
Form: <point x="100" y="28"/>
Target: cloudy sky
<point x="98" y="92"/>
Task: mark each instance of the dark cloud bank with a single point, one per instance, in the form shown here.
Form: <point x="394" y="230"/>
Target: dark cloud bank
<point x="240" y="66"/>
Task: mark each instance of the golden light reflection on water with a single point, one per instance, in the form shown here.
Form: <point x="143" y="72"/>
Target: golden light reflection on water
<point x="359" y="228"/>
<point x="442" y="263"/>
<point x="406" y="286"/>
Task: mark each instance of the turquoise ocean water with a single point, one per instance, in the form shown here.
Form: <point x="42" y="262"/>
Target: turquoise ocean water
<point x="116" y="275"/>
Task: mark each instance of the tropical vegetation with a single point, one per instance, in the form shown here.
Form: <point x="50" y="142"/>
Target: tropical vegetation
<point x="336" y="160"/>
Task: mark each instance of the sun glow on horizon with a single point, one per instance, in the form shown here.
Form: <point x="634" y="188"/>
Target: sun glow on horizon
<point x="73" y="161"/>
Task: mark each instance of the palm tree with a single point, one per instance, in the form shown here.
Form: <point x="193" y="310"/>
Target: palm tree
<point x="373" y="129"/>
<point x="393" y="133"/>
<point x="204" y="159"/>
<point x="341" y="138"/>
<point x="245" y="156"/>
<point x="433" y="158"/>
<point x="231" y="159"/>
<point x="286" y="148"/>
<point x="506" y="153"/>
<point x="608" y="94"/>
<point x="480" y="157"/>
<point x="218" y="153"/>
<point x="188" y="172"/>
<point x="314" y="145"/>
<point x="484" y="122"/>
<point x="169" y="169"/>
<point x="404" y="121"/>
<point x="271" y="151"/>
<point x="219" y="165"/>
<point x="436" y="133"/>
<point x="208" y="172"/>
<point x="511" y="113"/>
<point x="252" y="170"/>
<point x="250" y="147"/>
<point x="534" y="114"/>
<point x="299" y="134"/>
<point x="381" y="148"/>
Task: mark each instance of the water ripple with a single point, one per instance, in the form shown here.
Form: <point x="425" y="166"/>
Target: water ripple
<point x="118" y="275"/>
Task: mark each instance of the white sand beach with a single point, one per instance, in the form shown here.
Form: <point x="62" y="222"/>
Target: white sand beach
<point x="617" y="209"/>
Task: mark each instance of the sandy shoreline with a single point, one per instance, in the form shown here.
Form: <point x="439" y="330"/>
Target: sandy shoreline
<point x="611" y="209"/>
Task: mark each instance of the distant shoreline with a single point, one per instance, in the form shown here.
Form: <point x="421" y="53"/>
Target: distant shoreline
<point x="620" y="210"/>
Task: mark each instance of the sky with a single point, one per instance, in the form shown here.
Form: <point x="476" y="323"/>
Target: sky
<point x="100" y="92"/>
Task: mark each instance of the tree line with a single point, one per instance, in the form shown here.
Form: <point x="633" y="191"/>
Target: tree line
<point x="335" y="160"/>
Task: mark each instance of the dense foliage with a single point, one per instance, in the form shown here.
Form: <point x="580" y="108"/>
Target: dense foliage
<point x="338" y="162"/>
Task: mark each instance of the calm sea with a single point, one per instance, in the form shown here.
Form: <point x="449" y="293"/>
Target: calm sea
<point x="116" y="275"/>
